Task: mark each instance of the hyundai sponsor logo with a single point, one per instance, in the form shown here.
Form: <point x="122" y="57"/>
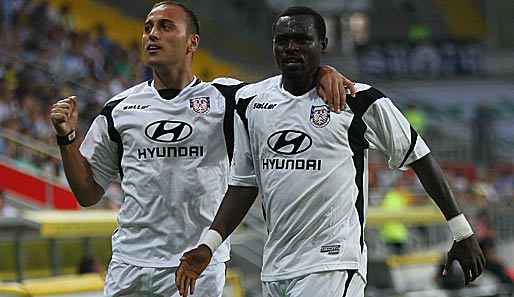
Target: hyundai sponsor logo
<point x="168" y="131"/>
<point x="289" y="142"/>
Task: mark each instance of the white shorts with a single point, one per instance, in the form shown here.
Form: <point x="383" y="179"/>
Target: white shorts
<point x="339" y="283"/>
<point x="128" y="280"/>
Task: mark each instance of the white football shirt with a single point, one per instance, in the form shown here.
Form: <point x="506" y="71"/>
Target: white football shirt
<point x="311" y="167"/>
<point x="172" y="156"/>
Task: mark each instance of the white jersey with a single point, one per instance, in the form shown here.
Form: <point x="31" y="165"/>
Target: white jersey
<point x="311" y="167"/>
<point x="172" y="156"/>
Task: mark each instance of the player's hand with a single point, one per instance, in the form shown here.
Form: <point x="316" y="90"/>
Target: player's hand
<point x="192" y="264"/>
<point x="64" y="115"/>
<point x="470" y="257"/>
<point x="330" y="85"/>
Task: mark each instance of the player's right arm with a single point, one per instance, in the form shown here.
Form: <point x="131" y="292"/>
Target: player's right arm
<point x="64" y="116"/>
<point x="233" y="208"/>
<point x="240" y="196"/>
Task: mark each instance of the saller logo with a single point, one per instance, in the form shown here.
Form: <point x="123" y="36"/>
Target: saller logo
<point x="331" y="249"/>
<point x="168" y="131"/>
<point x="289" y="142"/>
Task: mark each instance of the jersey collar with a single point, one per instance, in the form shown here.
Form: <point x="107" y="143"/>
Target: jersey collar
<point x="169" y="94"/>
<point x="311" y="94"/>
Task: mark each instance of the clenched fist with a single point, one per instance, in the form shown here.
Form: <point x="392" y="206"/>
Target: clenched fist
<point x="64" y="115"/>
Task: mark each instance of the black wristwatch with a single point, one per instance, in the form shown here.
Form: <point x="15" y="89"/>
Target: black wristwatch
<point x="66" y="139"/>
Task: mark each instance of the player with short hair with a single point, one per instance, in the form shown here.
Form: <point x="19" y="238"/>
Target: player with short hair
<point x="310" y="166"/>
<point x="170" y="140"/>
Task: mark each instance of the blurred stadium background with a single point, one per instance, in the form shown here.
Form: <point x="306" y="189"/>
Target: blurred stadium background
<point x="448" y="65"/>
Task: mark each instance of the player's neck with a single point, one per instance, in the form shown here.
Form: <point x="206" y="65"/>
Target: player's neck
<point x="298" y="86"/>
<point x="172" y="79"/>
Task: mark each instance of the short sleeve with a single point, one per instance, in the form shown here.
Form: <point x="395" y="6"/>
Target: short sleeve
<point x="101" y="153"/>
<point x="389" y="132"/>
<point x="242" y="172"/>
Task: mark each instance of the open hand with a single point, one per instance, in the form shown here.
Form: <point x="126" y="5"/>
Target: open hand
<point x="470" y="257"/>
<point x="192" y="264"/>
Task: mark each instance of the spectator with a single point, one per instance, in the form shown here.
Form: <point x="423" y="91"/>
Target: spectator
<point x="416" y="117"/>
<point x="486" y="237"/>
<point x="484" y="191"/>
<point x="483" y="123"/>
<point x="395" y="234"/>
<point x="90" y="264"/>
<point x="6" y="211"/>
<point x="64" y="18"/>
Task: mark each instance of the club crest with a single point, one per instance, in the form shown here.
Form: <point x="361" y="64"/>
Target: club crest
<point x="200" y="105"/>
<point x="320" y="115"/>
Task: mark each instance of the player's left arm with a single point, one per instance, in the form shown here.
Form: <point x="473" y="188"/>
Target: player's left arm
<point x="465" y="248"/>
<point x="389" y="131"/>
<point x="330" y="85"/>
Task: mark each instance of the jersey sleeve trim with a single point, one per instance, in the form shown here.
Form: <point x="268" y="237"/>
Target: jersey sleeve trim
<point x="242" y="106"/>
<point x="113" y="133"/>
<point x="363" y="100"/>
<point x="229" y="93"/>
<point x="413" y="139"/>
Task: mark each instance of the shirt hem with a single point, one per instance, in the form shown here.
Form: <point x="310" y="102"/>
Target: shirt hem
<point x="162" y="264"/>
<point x="309" y="270"/>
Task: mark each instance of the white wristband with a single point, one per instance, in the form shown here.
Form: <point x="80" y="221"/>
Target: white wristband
<point x="212" y="239"/>
<point x="460" y="227"/>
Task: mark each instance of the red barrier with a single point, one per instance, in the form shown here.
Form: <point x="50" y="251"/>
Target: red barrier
<point x="36" y="190"/>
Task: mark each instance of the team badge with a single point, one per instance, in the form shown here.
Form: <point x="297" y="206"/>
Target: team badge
<point x="320" y="115"/>
<point x="200" y="105"/>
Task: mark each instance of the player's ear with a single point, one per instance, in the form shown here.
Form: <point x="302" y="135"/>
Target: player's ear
<point x="324" y="44"/>
<point x="194" y="42"/>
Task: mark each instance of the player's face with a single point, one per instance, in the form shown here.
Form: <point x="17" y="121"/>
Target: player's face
<point x="297" y="46"/>
<point x="166" y="40"/>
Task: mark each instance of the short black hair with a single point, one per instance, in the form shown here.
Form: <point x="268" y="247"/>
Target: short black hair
<point x="193" y="25"/>
<point x="298" y="10"/>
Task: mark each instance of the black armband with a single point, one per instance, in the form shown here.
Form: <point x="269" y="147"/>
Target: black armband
<point x="66" y="139"/>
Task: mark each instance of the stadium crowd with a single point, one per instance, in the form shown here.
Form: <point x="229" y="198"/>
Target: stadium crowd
<point x="45" y="58"/>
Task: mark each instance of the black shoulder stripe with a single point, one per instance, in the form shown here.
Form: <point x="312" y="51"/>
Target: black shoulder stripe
<point x="242" y="106"/>
<point x="229" y="93"/>
<point x="107" y="112"/>
<point x="359" y="105"/>
<point x="363" y="100"/>
<point x="197" y="82"/>
<point x="413" y="139"/>
<point x="360" y="168"/>
<point x="358" y="145"/>
<point x="113" y="133"/>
